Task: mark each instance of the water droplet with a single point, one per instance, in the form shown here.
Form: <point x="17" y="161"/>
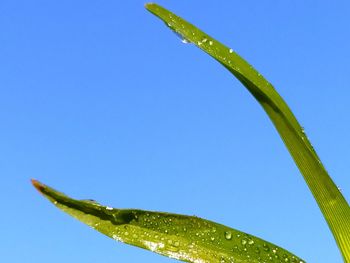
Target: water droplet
<point x="251" y="242"/>
<point x="89" y="201"/>
<point x="230" y="50"/>
<point x="266" y="247"/>
<point x="115" y="237"/>
<point x="183" y="39"/>
<point x="210" y="42"/>
<point x="109" y="208"/>
<point x="228" y="235"/>
<point x="151" y="245"/>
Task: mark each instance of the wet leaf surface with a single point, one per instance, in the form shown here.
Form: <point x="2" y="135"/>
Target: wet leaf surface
<point x="187" y="238"/>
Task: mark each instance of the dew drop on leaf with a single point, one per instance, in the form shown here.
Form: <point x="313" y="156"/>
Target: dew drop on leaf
<point x="228" y="235"/>
<point x="183" y="39"/>
<point x="266" y="247"/>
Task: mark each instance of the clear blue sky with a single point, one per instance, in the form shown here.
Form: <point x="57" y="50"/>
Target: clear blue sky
<point x="100" y="100"/>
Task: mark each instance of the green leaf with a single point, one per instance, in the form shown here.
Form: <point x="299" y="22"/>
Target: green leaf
<point x="331" y="202"/>
<point x="187" y="238"/>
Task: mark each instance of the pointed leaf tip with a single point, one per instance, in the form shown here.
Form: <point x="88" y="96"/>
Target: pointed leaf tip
<point x="186" y="238"/>
<point x="39" y="186"/>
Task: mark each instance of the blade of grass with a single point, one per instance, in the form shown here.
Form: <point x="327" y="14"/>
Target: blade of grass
<point x="187" y="238"/>
<point x="331" y="202"/>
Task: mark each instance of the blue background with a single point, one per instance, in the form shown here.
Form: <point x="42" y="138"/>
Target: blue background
<point x="100" y="100"/>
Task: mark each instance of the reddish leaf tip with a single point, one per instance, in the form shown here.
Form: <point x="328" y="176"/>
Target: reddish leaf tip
<point x="39" y="186"/>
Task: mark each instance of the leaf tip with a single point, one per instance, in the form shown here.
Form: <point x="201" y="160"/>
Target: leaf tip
<point x="149" y="4"/>
<point x="39" y="186"/>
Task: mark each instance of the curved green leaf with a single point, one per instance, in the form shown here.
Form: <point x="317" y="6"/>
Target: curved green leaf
<point x="187" y="238"/>
<point x="331" y="202"/>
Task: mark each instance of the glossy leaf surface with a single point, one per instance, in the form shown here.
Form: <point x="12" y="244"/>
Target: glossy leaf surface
<point x="187" y="238"/>
<point x="331" y="202"/>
